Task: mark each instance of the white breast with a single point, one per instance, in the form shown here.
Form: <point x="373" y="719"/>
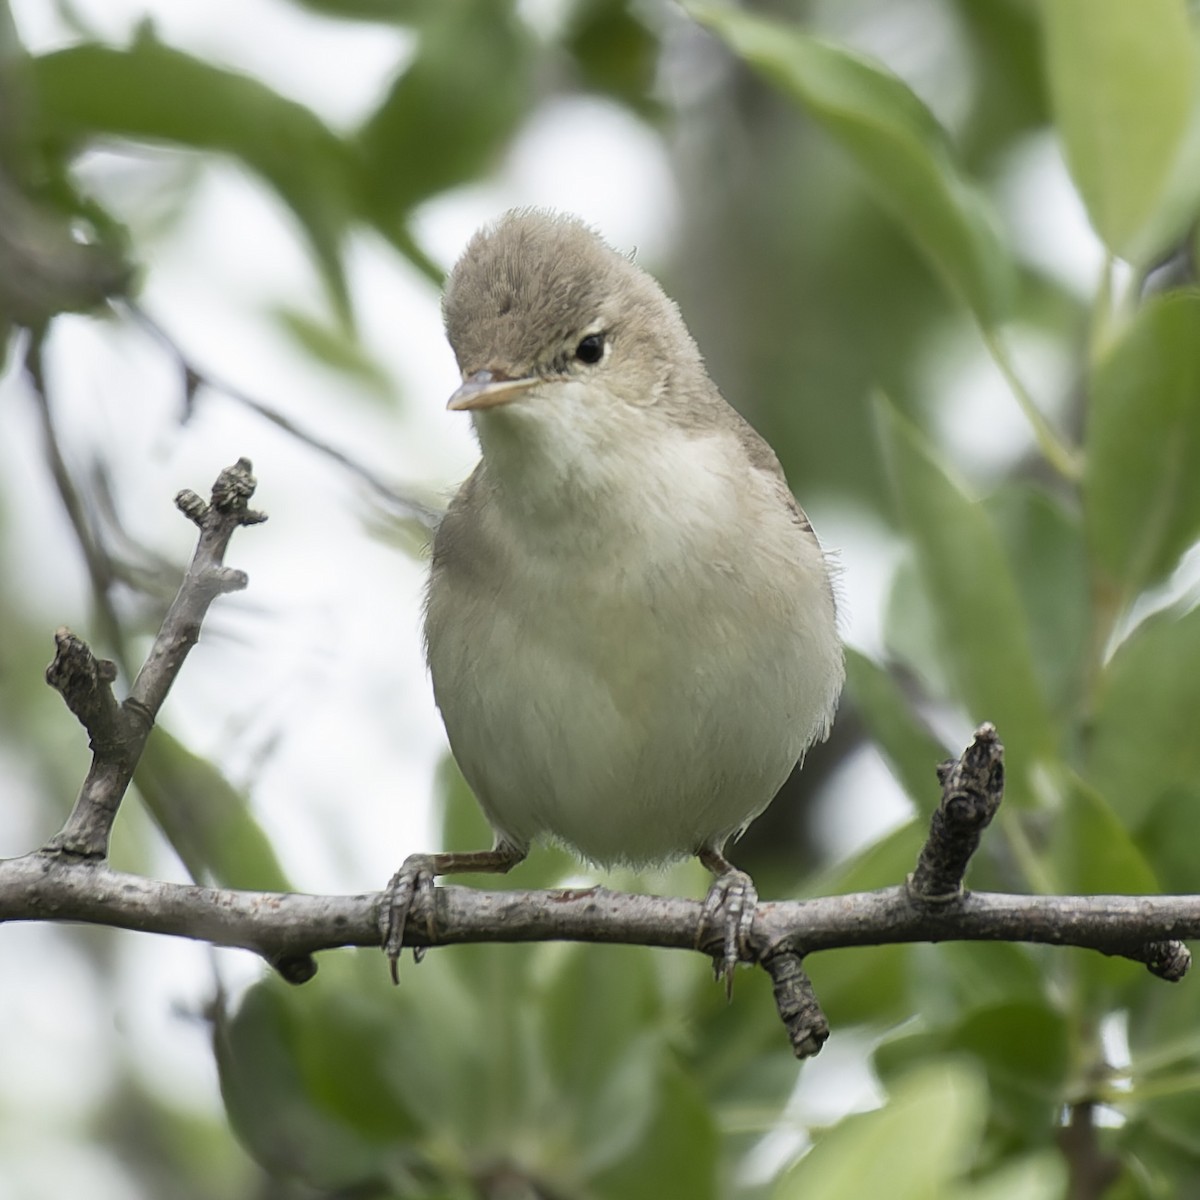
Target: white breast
<point x="637" y="681"/>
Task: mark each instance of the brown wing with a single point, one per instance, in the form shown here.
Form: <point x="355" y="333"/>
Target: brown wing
<point x="763" y="458"/>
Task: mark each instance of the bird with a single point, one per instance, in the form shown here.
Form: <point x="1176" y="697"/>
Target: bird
<point x="630" y="625"/>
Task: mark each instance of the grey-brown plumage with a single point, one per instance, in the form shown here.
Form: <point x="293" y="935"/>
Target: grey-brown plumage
<point x="525" y="288"/>
<point x="630" y="624"/>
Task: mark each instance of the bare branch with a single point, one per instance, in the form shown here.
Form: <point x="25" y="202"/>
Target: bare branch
<point x="99" y="567"/>
<point x="972" y="787"/>
<point x="404" y="504"/>
<point x="288" y="929"/>
<point x="118" y="733"/>
<point x="85" y="684"/>
<point x="284" y="925"/>
<point x="797" y="1002"/>
<point x="1091" y="1172"/>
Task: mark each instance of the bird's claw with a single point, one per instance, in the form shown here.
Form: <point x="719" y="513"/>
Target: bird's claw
<point x="730" y="904"/>
<point x="411" y="886"/>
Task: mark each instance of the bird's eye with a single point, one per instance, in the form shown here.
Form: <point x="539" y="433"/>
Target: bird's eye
<point x="591" y="349"/>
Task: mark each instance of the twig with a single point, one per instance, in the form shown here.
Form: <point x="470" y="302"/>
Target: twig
<point x="1091" y="1172"/>
<point x="85" y="684"/>
<point x="99" y="567"/>
<point x="194" y="379"/>
<point x="1065" y="459"/>
<point x="796" y="1000"/>
<point x="972" y="788"/>
<point x="118" y="732"/>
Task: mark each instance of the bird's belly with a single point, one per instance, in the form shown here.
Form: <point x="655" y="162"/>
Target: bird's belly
<point x="630" y="737"/>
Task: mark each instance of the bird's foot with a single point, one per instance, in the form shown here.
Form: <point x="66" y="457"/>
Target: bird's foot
<point x="730" y="906"/>
<point x="411" y="887"/>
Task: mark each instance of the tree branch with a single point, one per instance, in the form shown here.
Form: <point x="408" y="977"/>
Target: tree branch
<point x="118" y="732"/>
<point x="99" y="567"/>
<point x="1091" y="1171"/>
<point x="797" y="1003"/>
<point x="281" y="925"/>
<point x="972" y="787"/>
<point x="404" y="504"/>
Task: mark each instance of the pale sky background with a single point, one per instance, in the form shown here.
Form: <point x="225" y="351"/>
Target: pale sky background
<point x="310" y="687"/>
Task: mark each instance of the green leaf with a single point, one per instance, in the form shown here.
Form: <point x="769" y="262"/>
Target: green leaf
<point x="603" y="1046"/>
<point x="205" y="818"/>
<point x="1161" y="1147"/>
<point x="1022" y="1047"/>
<point x="983" y="630"/>
<point x="910" y="630"/>
<point x="452" y="110"/>
<point x="734" y="1050"/>
<point x="921" y="1141"/>
<point x="1169" y="835"/>
<point x="356" y="1045"/>
<point x="909" y="748"/>
<point x="266" y="1098"/>
<point x="585" y="993"/>
<point x="1041" y="1176"/>
<point x="884" y="863"/>
<point x="1093" y="851"/>
<point x="615" y="1117"/>
<point x="1143" y="742"/>
<point x="1044" y="541"/>
<point x="1122" y="80"/>
<point x="336" y="348"/>
<point x="1178" y="202"/>
<point x="904" y="153"/>
<point x="463" y="1054"/>
<point x="1003" y="44"/>
<point x="154" y="93"/>
<point x="951" y="979"/>
<point x="1163" y="1034"/>
<point x="616" y="52"/>
<point x="455" y="1065"/>
<point x="904" y="1051"/>
<point x="863" y="985"/>
<point x="678" y="1154"/>
<point x="1141" y="485"/>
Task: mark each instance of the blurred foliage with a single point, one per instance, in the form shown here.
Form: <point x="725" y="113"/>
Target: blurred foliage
<point x="843" y="226"/>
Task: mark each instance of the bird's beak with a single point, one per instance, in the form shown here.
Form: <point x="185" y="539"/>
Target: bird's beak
<point x="487" y="389"/>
